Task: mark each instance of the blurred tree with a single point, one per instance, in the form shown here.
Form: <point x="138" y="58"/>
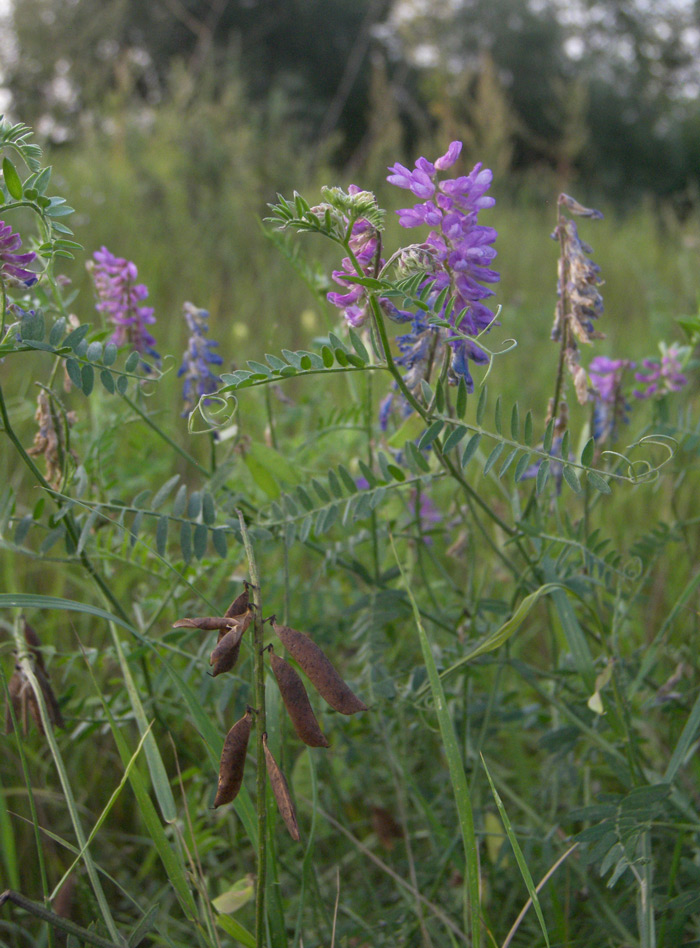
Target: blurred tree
<point x="70" y="56"/>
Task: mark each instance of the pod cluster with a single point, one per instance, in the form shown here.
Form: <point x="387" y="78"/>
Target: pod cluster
<point x="316" y="667"/>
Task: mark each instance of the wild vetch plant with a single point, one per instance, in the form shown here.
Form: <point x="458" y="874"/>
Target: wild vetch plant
<point x="476" y="590"/>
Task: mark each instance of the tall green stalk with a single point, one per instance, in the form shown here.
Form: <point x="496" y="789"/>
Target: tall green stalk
<point x="260" y="725"/>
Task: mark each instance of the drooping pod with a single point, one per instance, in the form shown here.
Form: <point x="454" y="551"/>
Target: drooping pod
<point x="239" y="605"/>
<point x="297" y="703"/>
<point x="281" y="792"/>
<point x="233" y="760"/>
<point x="319" y="670"/>
<point x="225" y="655"/>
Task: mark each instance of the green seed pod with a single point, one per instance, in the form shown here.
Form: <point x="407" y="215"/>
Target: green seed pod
<point x="296" y="701"/>
<point x="319" y="670"/>
<point x="281" y="792"/>
<point x="225" y="655"/>
<point x="233" y="760"/>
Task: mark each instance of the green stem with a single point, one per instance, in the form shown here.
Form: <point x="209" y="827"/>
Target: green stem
<point x="69" y="521"/>
<point x="260" y="725"/>
<point x="56" y="921"/>
<point x="168" y="440"/>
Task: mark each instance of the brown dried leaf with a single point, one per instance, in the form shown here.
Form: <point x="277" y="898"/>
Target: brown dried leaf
<point x="281" y="792"/>
<point x="297" y="703"/>
<point x="233" y="760"/>
<point x="319" y="670"/>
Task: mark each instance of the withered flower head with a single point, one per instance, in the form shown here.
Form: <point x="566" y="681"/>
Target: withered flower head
<point x="51" y="438"/>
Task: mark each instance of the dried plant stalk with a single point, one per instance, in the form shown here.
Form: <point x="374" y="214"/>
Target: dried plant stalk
<point x="319" y="670"/>
<point x="297" y="703"/>
<point x="233" y="760"/>
<point x="281" y="792"/>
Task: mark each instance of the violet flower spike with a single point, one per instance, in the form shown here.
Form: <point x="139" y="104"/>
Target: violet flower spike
<point x="119" y="297"/>
<point x="459" y="256"/>
<point x="198" y="358"/>
<point x="12" y="265"/>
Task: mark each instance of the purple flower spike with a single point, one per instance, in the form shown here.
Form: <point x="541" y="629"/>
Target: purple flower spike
<point x="12" y="264"/>
<point x="460" y="248"/>
<point x="119" y="298"/>
<point x="199" y="356"/>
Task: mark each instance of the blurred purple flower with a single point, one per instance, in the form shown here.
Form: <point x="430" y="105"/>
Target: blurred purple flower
<point x="659" y="377"/>
<point x="12" y="264"/>
<point x="199" y="356"/>
<point x="610" y="408"/>
<point x="119" y="297"/>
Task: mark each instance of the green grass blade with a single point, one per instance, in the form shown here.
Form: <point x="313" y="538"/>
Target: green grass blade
<point x="458" y="777"/>
<point x="685" y="742"/>
<point x="28" y="669"/>
<point x="173" y="867"/>
<point x="518" y="853"/>
<point x="103" y="816"/>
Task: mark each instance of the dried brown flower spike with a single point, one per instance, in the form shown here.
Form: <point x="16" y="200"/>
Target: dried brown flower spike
<point x="297" y="703"/>
<point x="319" y="670"/>
<point x="281" y="792"/>
<point x="233" y="760"/>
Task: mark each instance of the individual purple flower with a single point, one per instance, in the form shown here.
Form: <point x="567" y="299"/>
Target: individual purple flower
<point x="119" y="297"/>
<point x="658" y="377"/>
<point x="198" y="359"/>
<point x="12" y="264"/>
<point x="610" y="406"/>
<point x="458" y="249"/>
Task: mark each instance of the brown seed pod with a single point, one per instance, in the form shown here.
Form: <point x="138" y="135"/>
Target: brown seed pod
<point x="318" y="669"/>
<point x="297" y="703"/>
<point x="281" y="792"/>
<point x="233" y="760"/>
<point x="52" y="707"/>
<point x="239" y="605"/>
<point x="32" y="640"/>
<point x="205" y="623"/>
<point x="225" y="655"/>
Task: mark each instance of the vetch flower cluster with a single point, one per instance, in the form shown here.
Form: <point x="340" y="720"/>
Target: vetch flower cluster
<point x="12" y="265"/>
<point x="458" y="250"/>
<point x="198" y="359"/>
<point x="119" y="297"/>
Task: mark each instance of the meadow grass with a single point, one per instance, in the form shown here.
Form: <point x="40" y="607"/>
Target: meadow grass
<point x="407" y="837"/>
